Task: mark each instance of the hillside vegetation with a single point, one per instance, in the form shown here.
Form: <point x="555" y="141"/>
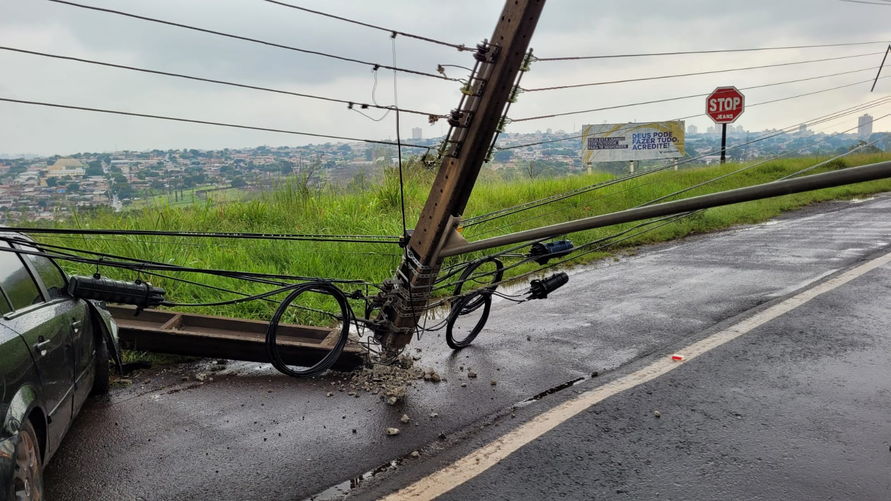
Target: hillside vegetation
<point x="374" y="208"/>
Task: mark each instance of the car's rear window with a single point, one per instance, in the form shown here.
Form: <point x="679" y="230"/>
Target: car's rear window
<point x="49" y="273"/>
<point x="15" y="280"/>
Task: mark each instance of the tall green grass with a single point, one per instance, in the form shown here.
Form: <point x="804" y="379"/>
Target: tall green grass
<point x="374" y="208"/>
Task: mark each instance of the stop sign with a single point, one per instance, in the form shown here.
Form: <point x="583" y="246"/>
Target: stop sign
<point x="725" y="105"/>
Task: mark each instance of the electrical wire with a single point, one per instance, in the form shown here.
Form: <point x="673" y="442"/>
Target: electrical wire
<point x="459" y="47"/>
<point x="252" y="40"/>
<point x="560" y="196"/>
<point x="691" y="96"/>
<point x="349" y="103"/>
<point x="399" y="143"/>
<point x="708" y="51"/>
<point x="609" y="239"/>
<point x="371" y="239"/>
<point x="204" y="122"/>
<point x="697" y="73"/>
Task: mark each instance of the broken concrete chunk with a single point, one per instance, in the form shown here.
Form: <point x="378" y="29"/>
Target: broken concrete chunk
<point x="392" y="431"/>
<point x="471" y="374"/>
<point x="415" y="454"/>
<point x="404" y="419"/>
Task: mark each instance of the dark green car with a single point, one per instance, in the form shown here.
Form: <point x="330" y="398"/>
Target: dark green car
<point x="54" y="353"/>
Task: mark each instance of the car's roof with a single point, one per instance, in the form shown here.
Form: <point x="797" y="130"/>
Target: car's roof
<point x="9" y="234"/>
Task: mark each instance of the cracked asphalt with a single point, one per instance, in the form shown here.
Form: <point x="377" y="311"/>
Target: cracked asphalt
<point x="248" y="432"/>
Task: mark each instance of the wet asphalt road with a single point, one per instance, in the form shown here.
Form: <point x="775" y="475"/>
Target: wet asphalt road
<point x="251" y="432"/>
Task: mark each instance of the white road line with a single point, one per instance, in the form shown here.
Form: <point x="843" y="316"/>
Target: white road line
<point x="480" y="460"/>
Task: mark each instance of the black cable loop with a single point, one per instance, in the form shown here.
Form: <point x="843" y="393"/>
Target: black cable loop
<point x="272" y="348"/>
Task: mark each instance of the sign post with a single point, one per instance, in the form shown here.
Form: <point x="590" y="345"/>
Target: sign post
<point x="724" y="105"/>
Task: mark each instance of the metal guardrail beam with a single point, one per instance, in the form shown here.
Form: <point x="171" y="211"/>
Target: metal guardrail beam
<point x="767" y="190"/>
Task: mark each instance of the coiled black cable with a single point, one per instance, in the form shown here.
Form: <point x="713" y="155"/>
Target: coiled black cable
<point x="472" y="302"/>
<point x="272" y="349"/>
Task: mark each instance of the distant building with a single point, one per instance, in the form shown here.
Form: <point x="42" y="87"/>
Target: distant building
<point x="864" y="126"/>
<point x="417" y="133"/>
<point x="66" y="167"/>
<point x="692" y="129"/>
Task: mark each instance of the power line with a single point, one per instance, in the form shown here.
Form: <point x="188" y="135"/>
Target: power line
<point x="214" y="81"/>
<point x="868" y="3"/>
<point x="370" y="239"/>
<point x="578" y="191"/>
<point x="708" y="51"/>
<point x="696" y="73"/>
<point x="460" y="47"/>
<point x="678" y="98"/>
<point x="253" y="40"/>
<point x="206" y="122"/>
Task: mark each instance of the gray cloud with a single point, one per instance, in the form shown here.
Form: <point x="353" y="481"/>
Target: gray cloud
<point x="568" y="27"/>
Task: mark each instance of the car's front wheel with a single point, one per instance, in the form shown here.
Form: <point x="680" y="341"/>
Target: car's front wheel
<point x="28" y="476"/>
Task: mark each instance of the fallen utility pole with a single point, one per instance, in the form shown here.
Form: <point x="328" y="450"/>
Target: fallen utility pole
<point x="474" y="126"/>
<point x="777" y="188"/>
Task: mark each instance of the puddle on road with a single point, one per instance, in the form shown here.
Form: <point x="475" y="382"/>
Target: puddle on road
<point x="341" y="490"/>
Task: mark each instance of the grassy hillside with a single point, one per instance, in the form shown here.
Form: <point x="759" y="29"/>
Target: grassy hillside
<point x="373" y="208"/>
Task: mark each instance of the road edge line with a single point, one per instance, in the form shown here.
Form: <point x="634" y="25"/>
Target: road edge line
<point x="487" y="456"/>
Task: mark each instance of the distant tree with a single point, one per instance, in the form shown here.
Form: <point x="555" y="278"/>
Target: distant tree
<point x="503" y="156"/>
<point x="52" y="181"/>
<point x="238" y="182"/>
<point x="73" y="187"/>
<point x="94" y="169"/>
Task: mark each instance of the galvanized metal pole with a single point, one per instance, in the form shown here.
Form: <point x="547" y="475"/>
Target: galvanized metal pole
<point x="475" y="126"/>
<point x="807" y="183"/>
<point x="723" y="143"/>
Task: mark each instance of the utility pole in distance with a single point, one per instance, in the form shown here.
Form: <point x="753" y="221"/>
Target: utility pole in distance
<point x="474" y="126"/>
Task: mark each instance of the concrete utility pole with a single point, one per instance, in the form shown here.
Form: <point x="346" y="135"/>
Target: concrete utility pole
<point x="474" y="126"/>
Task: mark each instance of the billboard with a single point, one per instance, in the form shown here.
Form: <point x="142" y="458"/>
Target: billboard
<point x="632" y="141"/>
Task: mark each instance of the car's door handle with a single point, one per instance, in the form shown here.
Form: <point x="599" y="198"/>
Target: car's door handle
<point x="41" y="345"/>
<point x="75" y="326"/>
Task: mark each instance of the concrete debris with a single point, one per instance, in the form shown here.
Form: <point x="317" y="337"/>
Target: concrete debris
<point x="432" y="376"/>
<point x="657" y="414"/>
<point x="434" y="415"/>
<point x="329" y="394"/>
<point x="463" y="385"/>
<point x="471" y="374"/>
<point x="404" y="419"/>
<point x="493" y="382"/>
<point x="415" y="454"/>
<point x="388" y="382"/>
<point x="392" y="431"/>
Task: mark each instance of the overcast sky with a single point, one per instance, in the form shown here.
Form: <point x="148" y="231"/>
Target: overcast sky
<point x="567" y="28"/>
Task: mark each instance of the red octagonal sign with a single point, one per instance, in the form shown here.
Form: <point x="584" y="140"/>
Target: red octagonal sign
<point x="725" y="105"/>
